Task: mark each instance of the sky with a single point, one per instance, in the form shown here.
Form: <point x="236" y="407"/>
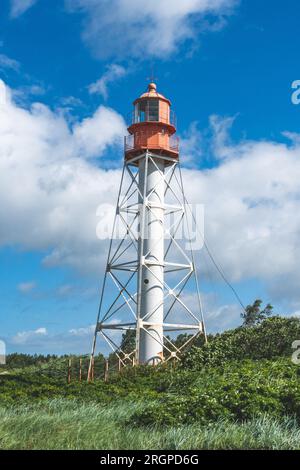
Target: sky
<point x="69" y="72"/>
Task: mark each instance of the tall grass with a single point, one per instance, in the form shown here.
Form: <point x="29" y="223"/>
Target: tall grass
<point x="67" y="424"/>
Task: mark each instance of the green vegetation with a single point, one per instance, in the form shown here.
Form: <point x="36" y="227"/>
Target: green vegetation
<point x="236" y="391"/>
<point x="241" y="390"/>
<point x="63" y="424"/>
<point x="24" y="360"/>
<point x="270" y="340"/>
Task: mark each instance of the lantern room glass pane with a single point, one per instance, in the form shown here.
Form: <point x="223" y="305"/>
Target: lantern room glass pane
<point x="141" y="111"/>
<point x="147" y="110"/>
<point x="153" y="110"/>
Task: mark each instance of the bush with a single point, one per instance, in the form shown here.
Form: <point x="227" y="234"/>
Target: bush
<point x="238" y="391"/>
<point x="271" y="339"/>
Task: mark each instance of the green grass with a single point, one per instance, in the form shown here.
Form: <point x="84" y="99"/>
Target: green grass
<point x="66" y="424"/>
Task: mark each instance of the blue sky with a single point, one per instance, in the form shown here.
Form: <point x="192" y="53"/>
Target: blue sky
<point x="227" y="66"/>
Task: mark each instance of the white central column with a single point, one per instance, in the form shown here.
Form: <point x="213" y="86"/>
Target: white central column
<point x="151" y="282"/>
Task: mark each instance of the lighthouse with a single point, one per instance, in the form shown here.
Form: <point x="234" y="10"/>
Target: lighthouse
<point x="151" y="131"/>
<point x="148" y="266"/>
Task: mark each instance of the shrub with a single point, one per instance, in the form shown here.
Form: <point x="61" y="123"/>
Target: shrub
<point x="238" y="391"/>
<point x="273" y="338"/>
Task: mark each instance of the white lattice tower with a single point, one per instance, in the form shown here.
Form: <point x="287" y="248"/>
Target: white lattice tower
<point x="150" y="262"/>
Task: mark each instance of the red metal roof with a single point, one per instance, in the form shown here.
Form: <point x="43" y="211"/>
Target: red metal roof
<point x="152" y="93"/>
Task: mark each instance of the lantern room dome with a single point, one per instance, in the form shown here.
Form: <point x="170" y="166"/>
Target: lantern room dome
<point x="152" y="93"/>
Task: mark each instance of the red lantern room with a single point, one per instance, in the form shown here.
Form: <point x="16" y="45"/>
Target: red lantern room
<point x="152" y="126"/>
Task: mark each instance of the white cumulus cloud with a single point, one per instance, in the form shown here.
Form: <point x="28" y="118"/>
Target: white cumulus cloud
<point x="26" y="337"/>
<point x="252" y="209"/>
<point x="49" y="191"/>
<point x="26" y="287"/>
<point x="18" y="7"/>
<point x="8" y="63"/>
<point x="141" y="28"/>
<point x="84" y="331"/>
<point x="113" y="72"/>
